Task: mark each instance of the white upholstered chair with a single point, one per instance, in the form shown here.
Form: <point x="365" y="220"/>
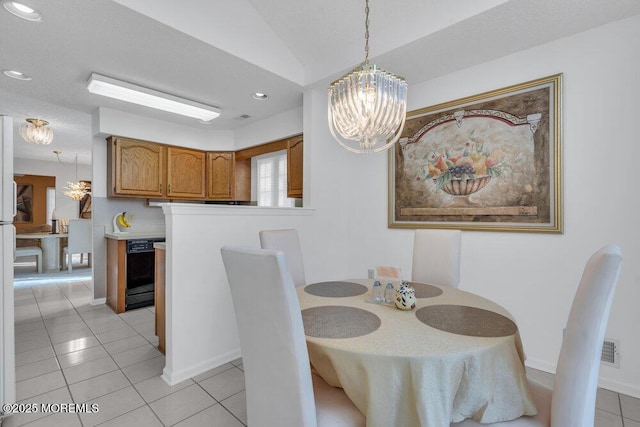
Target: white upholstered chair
<point x="31" y="251"/>
<point x="79" y="241"/>
<point x="280" y="389"/>
<point x="572" y="401"/>
<point x="288" y="242"/>
<point x="436" y="257"/>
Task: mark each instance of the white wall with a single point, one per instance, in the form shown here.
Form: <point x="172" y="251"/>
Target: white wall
<point x="277" y="127"/>
<point x="112" y="122"/>
<point x="66" y="207"/>
<point x="535" y="276"/>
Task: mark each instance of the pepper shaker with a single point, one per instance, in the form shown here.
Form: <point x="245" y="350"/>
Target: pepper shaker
<point x="377" y="293"/>
<point x="389" y="293"/>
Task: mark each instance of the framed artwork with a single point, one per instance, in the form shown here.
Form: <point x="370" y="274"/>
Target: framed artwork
<point x="85" y="203"/>
<point x="486" y="162"/>
<point x="24" y="201"/>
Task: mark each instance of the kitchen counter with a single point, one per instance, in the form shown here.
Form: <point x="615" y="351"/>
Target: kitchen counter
<point x="136" y="235"/>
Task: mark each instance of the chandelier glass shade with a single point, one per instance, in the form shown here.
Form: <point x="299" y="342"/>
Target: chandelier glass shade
<point x="367" y="107"/>
<point x="75" y="190"/>
<point x="36" y="132"/>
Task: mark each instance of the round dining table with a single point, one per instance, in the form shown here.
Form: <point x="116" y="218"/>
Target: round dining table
<point x="455" y="356"/>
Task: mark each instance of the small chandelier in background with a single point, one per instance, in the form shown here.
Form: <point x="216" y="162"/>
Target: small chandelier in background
<point x="367" y="107"/>
<point x="36" y="132"/>
<point x="75" y="190"/>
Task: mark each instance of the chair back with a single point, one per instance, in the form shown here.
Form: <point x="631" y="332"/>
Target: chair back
<point x="80" y="236"/>
<point x="278" y="381"/>
<point x="576" y="381"/>
<point x="288" y="242"/>
<point x="436" y="257"/>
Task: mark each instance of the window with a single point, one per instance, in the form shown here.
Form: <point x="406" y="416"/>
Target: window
<point x="51" y="203"/>
<point x="271" y="171"/>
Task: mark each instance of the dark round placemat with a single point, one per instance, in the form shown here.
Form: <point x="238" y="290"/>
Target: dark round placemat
<point x="463" y="320"/>
<point x="336" y="321"/>
<point x="425" y="291"/>
<point x="336" y="289"/>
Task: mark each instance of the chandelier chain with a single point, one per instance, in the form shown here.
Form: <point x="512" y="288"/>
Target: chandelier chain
<point x="366" y="33"/>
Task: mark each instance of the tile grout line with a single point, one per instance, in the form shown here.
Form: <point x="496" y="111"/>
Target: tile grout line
<point x="65" y="293"/>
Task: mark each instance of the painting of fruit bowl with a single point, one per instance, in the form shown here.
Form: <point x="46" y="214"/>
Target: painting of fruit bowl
<point x="464" y="172"/>
<point x="486" y="162"/>
<point x="465" y="187"/>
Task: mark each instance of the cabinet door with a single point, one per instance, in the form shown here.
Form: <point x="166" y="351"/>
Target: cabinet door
<point x="185" y="173"/>
<point x="221" y="170"/>
<point x="294" y="166"/>
<point x="137" y="168"/>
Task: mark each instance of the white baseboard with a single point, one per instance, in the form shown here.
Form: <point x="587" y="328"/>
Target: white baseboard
<point x="541" y="365"/>
<point x="632" y="390"/>
<point x="619" y="387"/>
<point x="172" y="378"/>
<point x="98" y="301"/>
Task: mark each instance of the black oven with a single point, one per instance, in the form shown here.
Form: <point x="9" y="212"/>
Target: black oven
<point x="140" y="273"/>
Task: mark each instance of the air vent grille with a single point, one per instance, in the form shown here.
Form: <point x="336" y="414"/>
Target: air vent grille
<point x="610" y="353"/>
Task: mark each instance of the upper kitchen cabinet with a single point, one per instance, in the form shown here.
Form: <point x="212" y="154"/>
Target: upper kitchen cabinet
<point x="221" y="175"/>
<point x="294" y="166"/>
<point x="185" y="173"/>
<point x="137" y="168"/>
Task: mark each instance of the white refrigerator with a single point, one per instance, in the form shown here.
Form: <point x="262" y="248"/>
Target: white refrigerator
<point x="7" y="249"/>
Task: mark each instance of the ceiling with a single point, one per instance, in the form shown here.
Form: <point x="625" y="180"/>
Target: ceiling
<point x="219" y="52"/>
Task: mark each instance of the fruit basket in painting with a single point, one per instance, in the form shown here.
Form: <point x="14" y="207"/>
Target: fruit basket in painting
<point x="465" y="187"/>
<point x="464" y="172"/>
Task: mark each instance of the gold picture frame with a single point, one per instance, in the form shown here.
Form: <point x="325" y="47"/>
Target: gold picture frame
<point x="488" y="162"/>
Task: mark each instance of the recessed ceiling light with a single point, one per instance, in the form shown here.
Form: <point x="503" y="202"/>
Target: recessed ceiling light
<point x="16" y="75"/>
<point x="22" y="11"/>
<point x="259" y="96"/>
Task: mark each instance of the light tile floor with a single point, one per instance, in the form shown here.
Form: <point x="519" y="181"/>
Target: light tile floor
<point x="70" y="351"/>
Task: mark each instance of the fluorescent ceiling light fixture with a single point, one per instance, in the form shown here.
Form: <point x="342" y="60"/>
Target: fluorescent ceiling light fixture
<point x="16" y="75"/>
<point x="128" y="92"/>
<point x="22" y="11"/>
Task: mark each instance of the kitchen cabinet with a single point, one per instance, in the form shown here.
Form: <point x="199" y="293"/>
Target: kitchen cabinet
<point x="137" y="168"/>
<point x="160" y="297"/>
<point x="294" y="166"/>
<point x="221" y="175"/>
<point x="145" y="169"/>
<point x="116" y="274"/>
<point x="185" y="173"/>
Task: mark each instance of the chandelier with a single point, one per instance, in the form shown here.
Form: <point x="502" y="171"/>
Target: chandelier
<point x="36" y="132"/>
<point x="75" y="190"/>
<point x="367" y="107"/>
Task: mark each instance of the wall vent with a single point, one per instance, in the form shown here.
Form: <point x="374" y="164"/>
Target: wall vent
<point x="611" y="353"/>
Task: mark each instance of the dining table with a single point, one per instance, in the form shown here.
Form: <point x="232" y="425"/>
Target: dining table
<point x="456" y="355"/>
<point x="50" y="245"/>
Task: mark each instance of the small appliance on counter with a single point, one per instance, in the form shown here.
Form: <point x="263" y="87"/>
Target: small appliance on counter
<point x="121" y="223"/>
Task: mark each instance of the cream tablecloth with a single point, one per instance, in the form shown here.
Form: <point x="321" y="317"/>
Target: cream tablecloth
<point x="401" y="372"/>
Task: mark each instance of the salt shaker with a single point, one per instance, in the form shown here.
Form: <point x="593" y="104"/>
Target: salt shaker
<point x="389" y="293"/>
<point x="377" y="294"/>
